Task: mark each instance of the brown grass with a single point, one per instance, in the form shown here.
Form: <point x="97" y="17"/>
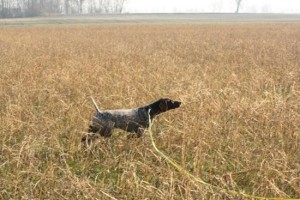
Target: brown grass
<point x="238" y="128"/>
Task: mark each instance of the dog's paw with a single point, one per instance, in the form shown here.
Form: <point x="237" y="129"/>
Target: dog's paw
<point x="88" y="139"/>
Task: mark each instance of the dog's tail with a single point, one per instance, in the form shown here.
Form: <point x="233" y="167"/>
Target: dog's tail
<point x="95" y="104"/>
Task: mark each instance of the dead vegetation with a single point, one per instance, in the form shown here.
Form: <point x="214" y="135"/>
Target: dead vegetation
<point x="238" y="127"/>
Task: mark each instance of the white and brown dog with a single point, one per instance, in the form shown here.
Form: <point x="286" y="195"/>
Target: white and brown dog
<point x="131" y="120"/>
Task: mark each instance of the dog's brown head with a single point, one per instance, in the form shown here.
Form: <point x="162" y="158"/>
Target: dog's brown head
<point x="162" y="105"/>
<point x="168" y="104"/>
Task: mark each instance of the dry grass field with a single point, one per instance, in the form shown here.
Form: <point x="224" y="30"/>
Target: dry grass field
<point x="238" y="127"/>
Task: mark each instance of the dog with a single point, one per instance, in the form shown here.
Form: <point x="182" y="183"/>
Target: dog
<point x="134" y="120"/>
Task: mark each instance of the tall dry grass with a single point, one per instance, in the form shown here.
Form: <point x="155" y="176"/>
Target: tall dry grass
<point x="238" y="127"/>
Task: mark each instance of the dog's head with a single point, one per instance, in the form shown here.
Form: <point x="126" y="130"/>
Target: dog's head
<point x="162" y="105"/>
<point x="168" y="104"/>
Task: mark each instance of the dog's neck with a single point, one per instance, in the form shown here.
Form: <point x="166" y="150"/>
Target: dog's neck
<point x="154" y="109"/>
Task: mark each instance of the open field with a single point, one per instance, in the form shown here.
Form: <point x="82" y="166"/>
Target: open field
<point x="153" y="19"/>
<point x="238" y="127"/>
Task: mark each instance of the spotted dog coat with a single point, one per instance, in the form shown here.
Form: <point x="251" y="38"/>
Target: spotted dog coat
<point x="131" y="120"/>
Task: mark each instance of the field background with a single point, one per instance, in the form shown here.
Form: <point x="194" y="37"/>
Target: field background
<point x="202" y="18"/>
<point x="238" y="127"/>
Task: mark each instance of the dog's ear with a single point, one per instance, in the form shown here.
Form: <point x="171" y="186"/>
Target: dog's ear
<point x="163" y="106"/>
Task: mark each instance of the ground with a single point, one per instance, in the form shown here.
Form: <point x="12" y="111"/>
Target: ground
<point x="238" y="127"/>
